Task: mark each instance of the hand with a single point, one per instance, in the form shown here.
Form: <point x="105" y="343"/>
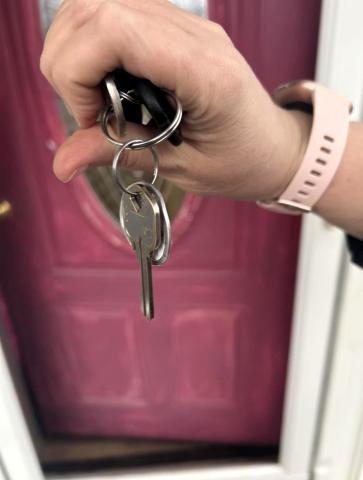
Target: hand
<point x="238" y="143"/>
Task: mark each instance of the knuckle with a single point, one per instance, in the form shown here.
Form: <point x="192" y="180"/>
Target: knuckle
<point x="59" y="74"/>
<point x="104" y="13"/>
<point x="64" y="5"/>
<point x="64" y="78"/>
<point x="67" y="4"/>
<point x="236" y="75"/>
<point x="44" y="64"/>
<point x="80" y="12"/>
<point x="217" y="28"/>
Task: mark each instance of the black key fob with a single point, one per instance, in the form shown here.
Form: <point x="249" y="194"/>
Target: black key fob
<point x="157" y="104"/>
<point x="127" y="111"/>
<point x="153" y="98"/>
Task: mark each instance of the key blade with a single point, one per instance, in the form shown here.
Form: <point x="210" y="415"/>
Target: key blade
<point x="141" y="224"/>
<point x="147" y="299"/>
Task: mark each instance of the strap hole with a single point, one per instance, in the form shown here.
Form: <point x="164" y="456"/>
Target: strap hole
<point x="310" y="184"/>
<point x="302" y="192"/>
<point x="322" y="162"/>
<point x="315" y="172"/>
<point x="329" y="139"/>
<point x="325" y="150"/>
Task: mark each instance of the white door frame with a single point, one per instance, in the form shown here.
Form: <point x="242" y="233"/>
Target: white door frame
<point x="17" y="455"/>
<point x="340" y="443"/>
<point x="322" y="270"/>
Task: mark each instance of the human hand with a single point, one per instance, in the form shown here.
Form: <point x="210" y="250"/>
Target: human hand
<point x="237" y="142"/>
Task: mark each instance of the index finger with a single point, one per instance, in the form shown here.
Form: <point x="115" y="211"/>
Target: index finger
<point x="115" y="35"/>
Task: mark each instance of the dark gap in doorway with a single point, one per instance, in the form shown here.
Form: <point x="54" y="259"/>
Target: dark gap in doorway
<point x="194" y="453"/>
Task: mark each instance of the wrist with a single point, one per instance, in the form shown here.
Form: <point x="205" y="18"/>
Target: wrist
<point x="324" y="149"/>
<point x="342" y="203"/>
<point x="294" y="137"/>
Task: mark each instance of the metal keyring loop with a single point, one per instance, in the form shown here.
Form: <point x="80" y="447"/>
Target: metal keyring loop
<point x="117" y="158"/>
<point x="140" y="144"/>
<point x="115" y="104"/>
<point x="127" y="96"/>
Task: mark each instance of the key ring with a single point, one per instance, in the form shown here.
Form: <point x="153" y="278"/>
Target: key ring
<point x="116" y="104"/>
<point x="127" y="96"/>
<point x="140" y="144"/>
<point x="118" y="156"/>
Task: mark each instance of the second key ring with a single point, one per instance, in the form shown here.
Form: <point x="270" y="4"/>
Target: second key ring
<point x="118" y="157"/>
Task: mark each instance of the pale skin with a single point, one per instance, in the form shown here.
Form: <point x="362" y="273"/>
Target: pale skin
<point x="237" y="142"/>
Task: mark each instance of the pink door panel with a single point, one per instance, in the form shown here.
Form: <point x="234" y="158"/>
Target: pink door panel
<point x="212" y="365"/>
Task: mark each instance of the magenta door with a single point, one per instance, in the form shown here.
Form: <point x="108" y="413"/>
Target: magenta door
<point x="212" y="365"/>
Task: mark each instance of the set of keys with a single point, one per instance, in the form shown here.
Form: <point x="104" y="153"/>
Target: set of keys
<point x="145" y="223"/>
<point x="144" y="218"/>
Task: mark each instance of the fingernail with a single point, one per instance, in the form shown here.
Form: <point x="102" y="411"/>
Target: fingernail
<point x="74" y="174"/>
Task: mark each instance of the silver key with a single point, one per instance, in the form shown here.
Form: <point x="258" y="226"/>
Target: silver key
<point x="140" y="217"/>
<point x="115" y="101"/>
<point x="161" y="254"/>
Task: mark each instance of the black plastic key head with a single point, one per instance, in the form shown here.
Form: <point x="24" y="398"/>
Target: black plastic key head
<point x="155" y="100"/>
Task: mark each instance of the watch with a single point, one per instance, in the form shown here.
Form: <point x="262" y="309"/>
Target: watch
<point x="325" y="148"/>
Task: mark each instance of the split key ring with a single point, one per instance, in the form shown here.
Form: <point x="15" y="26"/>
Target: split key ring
<point x="116" y="170"/>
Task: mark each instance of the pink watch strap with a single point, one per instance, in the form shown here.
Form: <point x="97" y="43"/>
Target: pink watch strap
<point x="323" y="155"/>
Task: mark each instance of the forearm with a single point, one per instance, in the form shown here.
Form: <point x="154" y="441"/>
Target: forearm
<point x="342" y="203"/>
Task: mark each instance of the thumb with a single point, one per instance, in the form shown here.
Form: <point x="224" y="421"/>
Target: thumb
<point x="88" y="146"/>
